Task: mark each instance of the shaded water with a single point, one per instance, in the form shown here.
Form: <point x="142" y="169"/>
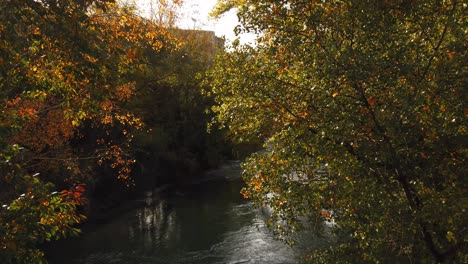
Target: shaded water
<point x="207" y="223"/>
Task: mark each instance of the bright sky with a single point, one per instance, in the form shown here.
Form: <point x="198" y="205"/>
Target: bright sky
<point x="196" y="16"/>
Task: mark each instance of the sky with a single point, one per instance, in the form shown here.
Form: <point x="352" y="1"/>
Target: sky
<point x="195" y="15"/>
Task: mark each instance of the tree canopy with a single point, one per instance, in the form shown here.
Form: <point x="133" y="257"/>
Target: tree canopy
<point x="67" y="70"/>
<point x="362" y="108"/>
<point x="170" y="103"/>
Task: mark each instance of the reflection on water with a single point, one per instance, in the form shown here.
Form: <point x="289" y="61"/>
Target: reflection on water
<point x="208" y="223"/>
<point x="153" y="226"/>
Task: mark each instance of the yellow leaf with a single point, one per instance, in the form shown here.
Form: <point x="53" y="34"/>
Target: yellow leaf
<point x="451" y="237"/>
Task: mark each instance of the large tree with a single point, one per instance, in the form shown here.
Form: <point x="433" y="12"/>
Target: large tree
<point x="361" y="105"/>
<point x="67" y="69"/>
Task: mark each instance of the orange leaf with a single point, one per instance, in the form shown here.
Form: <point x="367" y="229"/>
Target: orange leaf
<point x="372" y="101"/>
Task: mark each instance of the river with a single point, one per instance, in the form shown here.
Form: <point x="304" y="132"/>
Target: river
<point x="206" y="222"/>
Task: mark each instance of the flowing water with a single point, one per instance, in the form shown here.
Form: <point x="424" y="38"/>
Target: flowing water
<point x="209" y="222"/>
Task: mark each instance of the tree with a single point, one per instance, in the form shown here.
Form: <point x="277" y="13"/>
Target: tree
<point x="67" y="69"/>
<point x="170" y="102"/>
<point x="37" y="215"/>
<point x="165" y="13"/>
<point x="361" y="105"/>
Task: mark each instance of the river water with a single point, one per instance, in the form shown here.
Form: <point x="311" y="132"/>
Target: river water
<point x="207" y="222"/>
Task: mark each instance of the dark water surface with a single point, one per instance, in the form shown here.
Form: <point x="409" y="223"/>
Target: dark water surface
<point x="209" y="222"/>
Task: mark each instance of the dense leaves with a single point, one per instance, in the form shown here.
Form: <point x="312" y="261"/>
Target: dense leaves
<point x="361" y="105"/>
<point x="170" y="102"/>
<point x="37" y="215"/>
<point x="67" y="70"/>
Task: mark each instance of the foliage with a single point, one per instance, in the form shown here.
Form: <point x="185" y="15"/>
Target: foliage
<point x="35" y="216"/>
<point x="170" y="102"/>
<point x="361" y="105"/>
<point x="164" y="13"/>
<point x="67" y="69"/>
